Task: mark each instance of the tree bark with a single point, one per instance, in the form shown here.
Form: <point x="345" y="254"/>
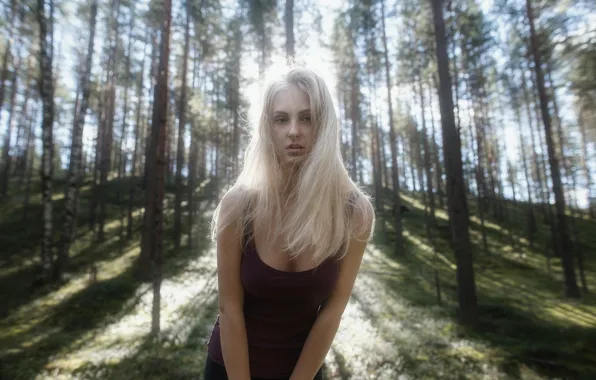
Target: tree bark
<point x="7" y="57"/>
<point x="585" y="157"/>
<point x="46" y="88"/>
<point x="153" y="234"/>
<point x="427" y="164"/>
<point x="289" y="21"/>
<point x="108" y="131"/>
<point x="74" y="167"/>
<point x="571" y="288"/>
<point x="457" y="207"/>
<point x="435" y="152"/>
<point x="399" y="247"/>
<point x="137" y="146"/>
<point x="6" y="159"/>
<point x="181" y="135"/>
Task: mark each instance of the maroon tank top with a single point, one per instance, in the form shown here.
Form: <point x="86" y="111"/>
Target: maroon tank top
<point x="279" y="311"/>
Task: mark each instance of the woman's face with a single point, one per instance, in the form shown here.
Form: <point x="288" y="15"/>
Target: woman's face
<point x="293" y="132"/>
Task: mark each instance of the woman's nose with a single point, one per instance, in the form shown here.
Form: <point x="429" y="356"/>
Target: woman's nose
<point x="294" y="130"/>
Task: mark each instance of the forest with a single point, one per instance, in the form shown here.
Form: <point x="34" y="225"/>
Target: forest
<point x="471" y="123"/>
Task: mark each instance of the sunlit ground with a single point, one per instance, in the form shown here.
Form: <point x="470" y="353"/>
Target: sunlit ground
<point x="382" y="336"/>
<point x="393" y="327"/>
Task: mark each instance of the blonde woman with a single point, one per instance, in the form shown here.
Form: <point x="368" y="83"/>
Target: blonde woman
<point x="290" y="237"/>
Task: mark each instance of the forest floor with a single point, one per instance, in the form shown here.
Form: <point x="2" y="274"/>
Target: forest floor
<point x="393" y="327"/>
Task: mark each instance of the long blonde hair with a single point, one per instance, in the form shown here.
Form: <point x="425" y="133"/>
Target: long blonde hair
<point x="319" y="219"/>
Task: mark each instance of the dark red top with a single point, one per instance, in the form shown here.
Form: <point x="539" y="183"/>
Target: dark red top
<point x="279" y="311"/>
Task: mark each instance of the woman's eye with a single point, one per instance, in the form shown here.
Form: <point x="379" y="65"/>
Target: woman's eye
<point x="305" y="119"/>
<point x="280" y="120"/>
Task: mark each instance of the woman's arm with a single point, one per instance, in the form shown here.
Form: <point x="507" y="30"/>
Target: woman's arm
<point x="231" y="296"/>
<point x="325" y="327"/>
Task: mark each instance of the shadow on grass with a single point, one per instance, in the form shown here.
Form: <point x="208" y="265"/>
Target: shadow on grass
<point x="168" y="358"/>
<point x="69" y="321"/>
<point x="20" y="242"/>
<point x="15" y="296"/>
<point x="521" y="337"/>
<point x="85" y="312"/>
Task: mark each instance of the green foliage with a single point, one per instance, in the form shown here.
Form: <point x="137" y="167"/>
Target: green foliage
<point x="523" y="315"/>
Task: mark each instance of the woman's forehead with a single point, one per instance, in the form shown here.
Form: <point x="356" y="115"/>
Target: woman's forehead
<point x="291" y="99"/>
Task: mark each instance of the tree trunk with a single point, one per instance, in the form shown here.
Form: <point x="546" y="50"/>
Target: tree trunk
<point x="585" y="158"/>
<point x="30" y="164"/>
<point x="6" y="159"/>
<point x="46" y="87"/>
<point x="571" y="288"/>
<point x="137" y="146"/>
<point x="21" y="129"/>
<point x="355" y="119"/>
<point x="458" y="211"/>
<point x="74" y="167"/>
<point x="531" y="221"/>
<point x="7" y="57"/>
<point x="181" y="135"/>
<point x="435" y="152"/>
<point x="399" y="247"/>
<point x="108" y="132"/>
<point x="427" y="164"/>
<point x="289" y="21"/>
<point x="192" y="180"/>
<point x="153" y="233"/>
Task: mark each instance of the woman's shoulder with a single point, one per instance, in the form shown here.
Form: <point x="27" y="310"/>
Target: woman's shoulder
<point x="362" y="214"/>
<point x="237" y="197"/>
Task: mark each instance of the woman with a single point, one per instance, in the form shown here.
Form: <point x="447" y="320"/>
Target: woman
<point x="290" y="237"/>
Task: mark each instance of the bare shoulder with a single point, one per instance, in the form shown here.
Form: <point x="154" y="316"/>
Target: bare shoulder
<point x="231" y="208"/>
<point x="363" y="217"/>
<point x="232" y="199"/>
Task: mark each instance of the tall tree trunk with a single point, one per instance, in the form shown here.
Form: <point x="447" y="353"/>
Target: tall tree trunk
<point x="531" y="220"/>
<point x="399" y="247"/>
<point x="355" y="119"/>
<point x="122" y="156"/>
<point x="435" y="150"/>
<point x="480" y="184"/>
<point x="152" y="244"/>
<point x="6" y="158"/>
<point x="46" y="88"/>
<point x="74" y="167"/>
<point x="289" y="21"/>
<point x="21" y="128"/>
<point x="137" y="146"/>
<point x="181" y="135"/>
<point x="97" y="158"/>
<point x="458" y="211"/>
<point x="7" y="58"/>
<point x="192" y="180"/>
<point x="571" y="181"/>
<point x="539" y="191"/>
<point x="28" y="127"/>
<point x="30" y="164"/>
<point x="571" y="288"/>
<point x="154" y="74"/>
<point x="427" y="164"/>
<point x="585" y="158"/>
<point x="108" y="132"/>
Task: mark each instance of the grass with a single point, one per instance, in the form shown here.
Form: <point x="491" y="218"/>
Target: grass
<point x="523" y="316"/>
<point x="392" y="326"/>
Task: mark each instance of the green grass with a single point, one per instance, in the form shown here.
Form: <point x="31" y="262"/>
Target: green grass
<point x="42" y="324"/>
<point x="88" y="329"/>
<point x="524" y="318"/>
